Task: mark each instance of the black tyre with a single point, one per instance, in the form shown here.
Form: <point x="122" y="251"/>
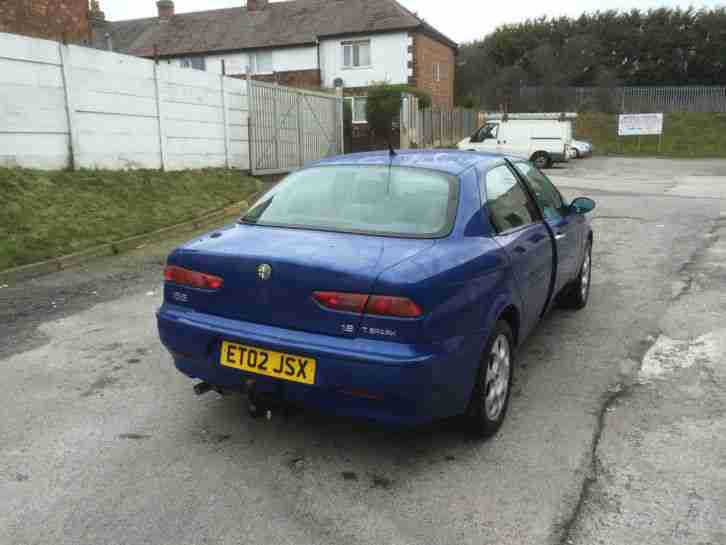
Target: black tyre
<point x="578" y="293"/>
<point x="490" y="398"/>
<point x="542" y="160"/>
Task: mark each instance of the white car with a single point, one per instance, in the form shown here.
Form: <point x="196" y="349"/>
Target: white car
<point x="580" y="149"/>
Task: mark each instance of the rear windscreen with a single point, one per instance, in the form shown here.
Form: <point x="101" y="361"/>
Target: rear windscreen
<point x="368" y="199"/>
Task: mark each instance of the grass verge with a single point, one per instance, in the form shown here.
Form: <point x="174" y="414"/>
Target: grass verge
<point x="684" y="135"/>
<point x="48" y="214"/>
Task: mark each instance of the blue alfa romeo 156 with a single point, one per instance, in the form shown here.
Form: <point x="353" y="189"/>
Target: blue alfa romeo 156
<point x="391" y="287"/>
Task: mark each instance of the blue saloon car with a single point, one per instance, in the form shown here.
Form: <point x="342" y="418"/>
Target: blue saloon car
<point x="396" y="288"/>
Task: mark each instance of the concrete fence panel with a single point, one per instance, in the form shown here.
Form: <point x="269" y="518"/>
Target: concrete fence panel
<point x="70" y="106"/>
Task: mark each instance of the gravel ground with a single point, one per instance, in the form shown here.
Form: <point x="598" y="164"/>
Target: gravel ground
<point x="615" y="435"/>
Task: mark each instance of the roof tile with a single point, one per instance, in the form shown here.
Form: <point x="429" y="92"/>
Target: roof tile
<point x="294" y="22"/>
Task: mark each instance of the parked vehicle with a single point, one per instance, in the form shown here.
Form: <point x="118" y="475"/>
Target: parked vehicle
<point x="397" y="289"/>
<point x="543" y="138"/>
<point x="581" y="148"/>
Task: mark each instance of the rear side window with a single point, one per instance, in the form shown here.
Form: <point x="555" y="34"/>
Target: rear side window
<point x="508" y="204"/>
<point x="366" y="199"/>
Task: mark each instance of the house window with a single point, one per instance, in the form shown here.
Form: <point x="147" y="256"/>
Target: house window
<point x="196" y="63"/>
<point x="358" y="106"/>
<point x="437" y="71"/>
<point x="357" y="54"/>
<point x="261" y="62"/>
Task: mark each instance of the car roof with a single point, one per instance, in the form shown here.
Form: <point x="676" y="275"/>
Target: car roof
<point x="448" y="161"/>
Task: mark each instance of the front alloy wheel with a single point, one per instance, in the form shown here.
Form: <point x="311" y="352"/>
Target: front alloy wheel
<point x="579" y="292"/>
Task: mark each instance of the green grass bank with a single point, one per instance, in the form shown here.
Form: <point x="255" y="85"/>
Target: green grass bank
<point x="684" y="135"/>
<point x="48" y="214"/>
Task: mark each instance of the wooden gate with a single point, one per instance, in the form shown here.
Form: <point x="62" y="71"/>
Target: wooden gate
<point x="291" y="127"/>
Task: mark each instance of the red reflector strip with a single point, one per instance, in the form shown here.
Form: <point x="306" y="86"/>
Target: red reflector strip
<point x="400" y="307"/>
<point x="185" y="277"/>
<point x="344" y="302"/>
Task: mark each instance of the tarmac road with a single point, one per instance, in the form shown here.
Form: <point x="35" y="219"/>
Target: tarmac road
<point x="616" y="432"/>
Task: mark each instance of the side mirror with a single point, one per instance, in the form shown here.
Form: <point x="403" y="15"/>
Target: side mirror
<point x="582" y="205"/>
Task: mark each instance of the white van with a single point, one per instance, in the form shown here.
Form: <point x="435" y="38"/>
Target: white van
<point x="543" y="138"/>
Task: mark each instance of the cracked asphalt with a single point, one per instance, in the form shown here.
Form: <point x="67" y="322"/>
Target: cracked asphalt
<point x="616" y="433"/>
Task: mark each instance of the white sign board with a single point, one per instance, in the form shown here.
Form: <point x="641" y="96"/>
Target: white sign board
<point x="640" y="124"/>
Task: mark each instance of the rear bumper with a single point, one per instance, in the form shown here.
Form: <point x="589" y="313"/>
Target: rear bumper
<point x="393" y="383"/>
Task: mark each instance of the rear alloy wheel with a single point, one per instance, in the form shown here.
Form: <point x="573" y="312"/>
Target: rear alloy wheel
<point x="579" y="292"/>
<point x="490" y="399"/>
<point x="541" y="160"/>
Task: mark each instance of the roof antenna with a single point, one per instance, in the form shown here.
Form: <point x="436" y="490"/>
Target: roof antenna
<point x="391" y="156"/>
<point x="391" y="152"/>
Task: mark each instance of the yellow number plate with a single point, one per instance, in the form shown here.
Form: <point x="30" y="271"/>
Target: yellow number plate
<point x="267" y="363"/>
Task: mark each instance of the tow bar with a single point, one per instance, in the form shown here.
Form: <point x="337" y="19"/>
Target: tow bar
<point x="257" y="407"/>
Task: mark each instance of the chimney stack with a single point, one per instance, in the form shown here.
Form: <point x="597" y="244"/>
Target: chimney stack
<point x="256" y="5"/>
<point x="166" y="9"/>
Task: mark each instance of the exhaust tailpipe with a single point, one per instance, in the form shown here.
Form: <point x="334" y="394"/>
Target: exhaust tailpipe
<point x="202" y="388"/>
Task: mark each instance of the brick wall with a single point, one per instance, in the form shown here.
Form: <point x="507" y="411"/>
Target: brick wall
<point x="46" y="18"/>
<point x="428" y="52"/>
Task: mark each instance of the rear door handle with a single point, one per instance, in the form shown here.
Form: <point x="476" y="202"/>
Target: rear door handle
<point x="560" y="236"/>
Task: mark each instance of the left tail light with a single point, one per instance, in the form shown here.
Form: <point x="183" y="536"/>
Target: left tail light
<point x="193" y="279"/>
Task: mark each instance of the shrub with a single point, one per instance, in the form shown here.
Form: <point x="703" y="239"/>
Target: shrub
<point x="383" y="107"/>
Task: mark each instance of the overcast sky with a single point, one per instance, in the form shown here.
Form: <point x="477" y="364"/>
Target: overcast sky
<point x="462" y="20"/>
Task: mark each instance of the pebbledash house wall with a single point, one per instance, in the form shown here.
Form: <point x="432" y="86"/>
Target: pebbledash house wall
<point x="389" y="60"/>
<point x="291" y="66"/>
<point x="319" y="66"/>
<point x="396" y="57"/>
<point x="49" y="19"/>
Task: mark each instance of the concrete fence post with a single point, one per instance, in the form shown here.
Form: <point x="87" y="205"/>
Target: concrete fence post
<point x="340" y="114"/>
<point x="160" y="116"/>
<point x="299" y="121"/>
<point x="251" y="110"/>
<point x="74" y="149"/>
<point x="225" y="117"/>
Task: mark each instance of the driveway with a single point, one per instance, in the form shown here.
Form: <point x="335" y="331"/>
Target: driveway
<point x="616" y="432"/>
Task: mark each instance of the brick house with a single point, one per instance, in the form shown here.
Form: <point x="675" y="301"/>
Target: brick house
<point x="300" y="43"/>
<point x="50" y="19"/>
